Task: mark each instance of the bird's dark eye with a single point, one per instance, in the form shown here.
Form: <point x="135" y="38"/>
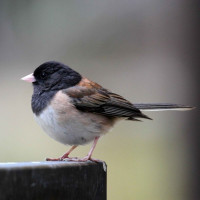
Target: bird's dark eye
<point x="43" y="75"/>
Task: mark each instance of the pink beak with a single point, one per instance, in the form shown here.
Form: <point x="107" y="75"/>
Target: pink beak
<point x="29" y="78"/>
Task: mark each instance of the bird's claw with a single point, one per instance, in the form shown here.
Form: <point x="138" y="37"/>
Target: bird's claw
<point x="60" y="159"/>
<point x="84" y="159"/>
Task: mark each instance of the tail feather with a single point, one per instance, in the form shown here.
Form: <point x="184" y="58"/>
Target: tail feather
<point x="162" y="107"/>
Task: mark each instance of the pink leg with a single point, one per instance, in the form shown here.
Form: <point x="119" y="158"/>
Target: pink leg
<point x="66" y="155"/>
<point x="89" y="156"/>
<point x="92" y="148"/>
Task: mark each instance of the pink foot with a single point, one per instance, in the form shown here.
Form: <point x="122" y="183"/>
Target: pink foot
<point x="65" y="156"/>
<point x="60" y="159"/>
<point x="86" y="158"/>
<point x="53" y="159"/>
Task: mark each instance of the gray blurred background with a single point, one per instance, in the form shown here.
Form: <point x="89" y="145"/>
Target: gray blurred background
<point x="147" y="51"/>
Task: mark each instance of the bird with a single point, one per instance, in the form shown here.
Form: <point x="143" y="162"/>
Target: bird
<point x="75" y="111"/>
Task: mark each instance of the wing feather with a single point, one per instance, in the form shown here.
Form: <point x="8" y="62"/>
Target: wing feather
<point x="101" y="101"/>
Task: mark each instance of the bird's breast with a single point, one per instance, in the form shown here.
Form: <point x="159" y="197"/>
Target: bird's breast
<point x="64" y="123"/>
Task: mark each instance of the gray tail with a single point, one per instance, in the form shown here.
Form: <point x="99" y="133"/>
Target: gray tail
<point x="161" y="107"/>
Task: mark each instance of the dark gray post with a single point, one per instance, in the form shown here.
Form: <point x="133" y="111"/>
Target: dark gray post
<point x="53" y="181"/>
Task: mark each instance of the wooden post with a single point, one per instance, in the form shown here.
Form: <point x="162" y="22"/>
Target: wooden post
<point x="60" y="180"/>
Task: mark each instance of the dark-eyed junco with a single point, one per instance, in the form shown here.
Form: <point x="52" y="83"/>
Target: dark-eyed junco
<point x="74" y="110"/>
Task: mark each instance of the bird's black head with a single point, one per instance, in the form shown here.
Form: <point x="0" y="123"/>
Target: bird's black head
<point x="55" y="76"/>
<point x="47" y="79"/>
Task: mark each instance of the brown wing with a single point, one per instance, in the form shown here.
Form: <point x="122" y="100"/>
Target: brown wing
<point x="101" y="101"/>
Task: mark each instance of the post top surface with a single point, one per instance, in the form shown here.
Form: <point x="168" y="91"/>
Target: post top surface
<point x="46" y="164"/>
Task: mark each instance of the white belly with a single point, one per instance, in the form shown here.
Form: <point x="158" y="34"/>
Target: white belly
<point x="72" y="127"/>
